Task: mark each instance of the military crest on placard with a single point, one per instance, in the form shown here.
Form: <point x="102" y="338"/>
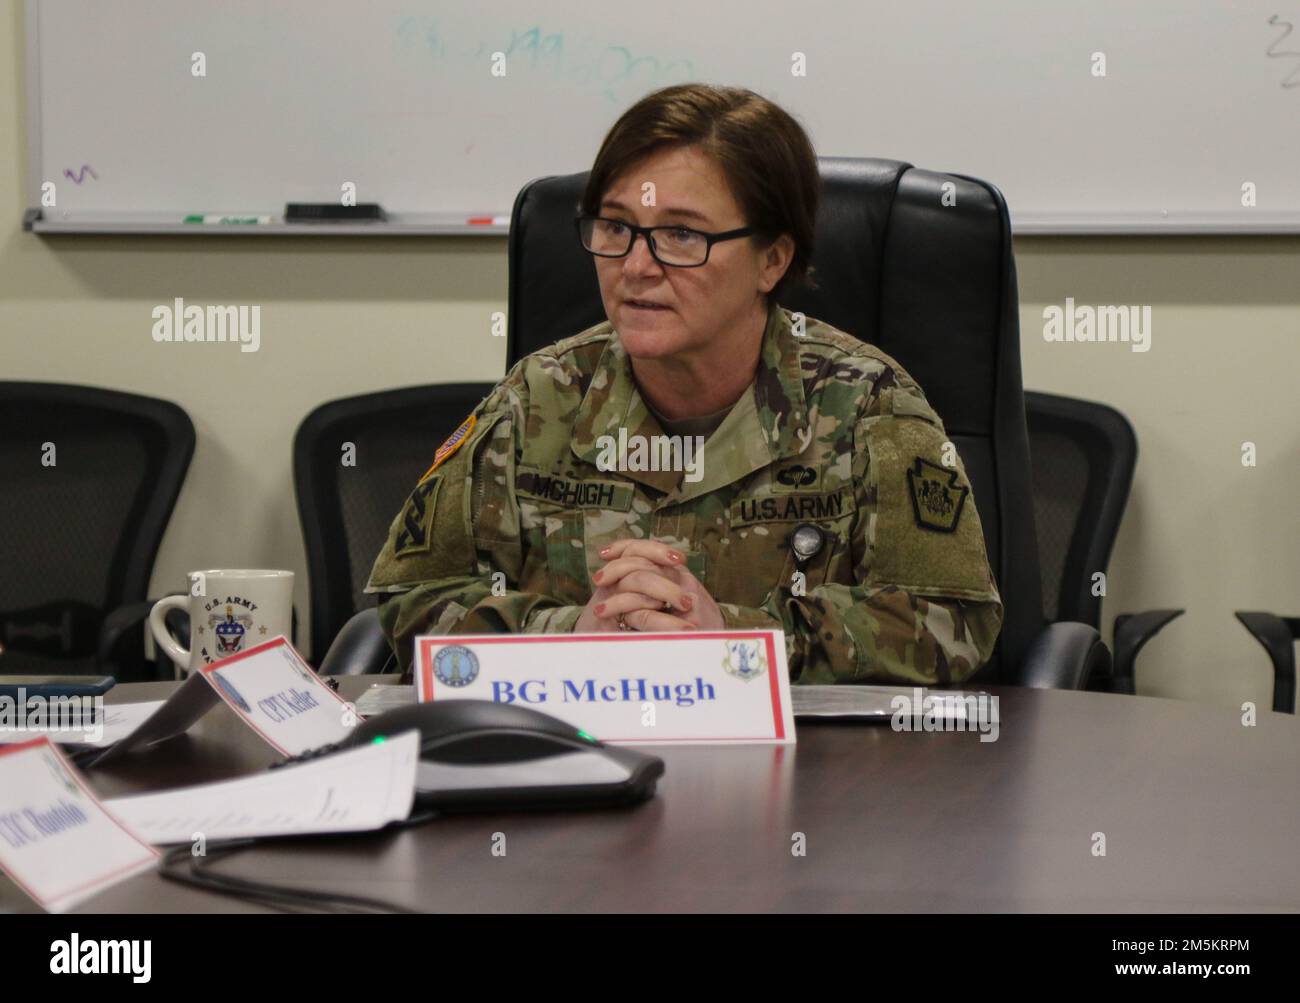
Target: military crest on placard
<point x="937" y="498"/>
<point x="55" y="766"/>
<point x="303" y="673"/>
<point x="745" y="659"/>
<point x="455" y="665"/>
<point x="230" y="691"/>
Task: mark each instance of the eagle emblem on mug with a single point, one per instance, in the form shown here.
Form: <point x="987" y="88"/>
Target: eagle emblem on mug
<point x="230" y="630"/>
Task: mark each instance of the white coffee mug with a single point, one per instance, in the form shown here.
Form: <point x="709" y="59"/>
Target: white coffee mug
<point x="230" y="611"/>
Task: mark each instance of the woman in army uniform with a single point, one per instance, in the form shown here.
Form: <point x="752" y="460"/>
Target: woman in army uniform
<point x="704" y="459"/>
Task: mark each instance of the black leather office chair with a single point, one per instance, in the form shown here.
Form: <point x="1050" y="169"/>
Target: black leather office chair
<point x="1278" y="635"/>
<point x="346" y="507"/>
<point x="933" y="286"/>
<point x="359" y="647"/>
<point x="88" y="480"/>
<point x="1083" y="455"/>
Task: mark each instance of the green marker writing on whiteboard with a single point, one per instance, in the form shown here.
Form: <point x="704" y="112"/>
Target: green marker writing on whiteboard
<point x="220" y="219"/>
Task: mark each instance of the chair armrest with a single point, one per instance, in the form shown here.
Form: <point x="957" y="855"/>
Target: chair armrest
<point x="124" y="619"/>
<point x="1062" y="657"/>
<point x="1132" y="631"/>
<point x="1277" y="635"/>
<point x="115" y="626"/>
<point x="360" y="648"/>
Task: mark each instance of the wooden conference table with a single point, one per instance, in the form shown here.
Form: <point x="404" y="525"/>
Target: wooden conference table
<point x="1199" y="812"/>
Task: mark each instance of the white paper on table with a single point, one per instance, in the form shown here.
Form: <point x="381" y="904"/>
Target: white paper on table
<point x="385" y="697"/>
<point x="879" y="703"/>
<point x="57" y="842"/>
<point x="356" y="790"/>
<point x="120" y="720"/>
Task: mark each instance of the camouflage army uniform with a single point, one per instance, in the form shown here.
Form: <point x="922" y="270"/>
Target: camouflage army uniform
<point x="832" y="432"/>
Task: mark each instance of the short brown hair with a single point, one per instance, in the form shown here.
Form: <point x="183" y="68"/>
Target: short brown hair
<point x="764" y="153"/>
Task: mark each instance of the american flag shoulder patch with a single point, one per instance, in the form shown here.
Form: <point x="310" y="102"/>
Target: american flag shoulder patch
<point x="453" y="443"/>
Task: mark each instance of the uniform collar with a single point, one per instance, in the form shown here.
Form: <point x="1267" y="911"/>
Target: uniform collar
<point x="768" y="423"/>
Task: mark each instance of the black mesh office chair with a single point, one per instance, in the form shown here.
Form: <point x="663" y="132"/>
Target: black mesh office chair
<point x="89" y="480"/>
<point x="346" y="509"/>
<point x="1278" y="635"/>
<point x="1083" y="455"/>
<point x="934" y="287"/>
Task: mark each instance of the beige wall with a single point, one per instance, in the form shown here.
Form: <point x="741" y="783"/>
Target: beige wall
<point x="342" y="317"/>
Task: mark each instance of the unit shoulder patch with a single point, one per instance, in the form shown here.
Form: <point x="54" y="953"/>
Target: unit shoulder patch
<point x="417" y="516"/>
<point x="937" y="498"/>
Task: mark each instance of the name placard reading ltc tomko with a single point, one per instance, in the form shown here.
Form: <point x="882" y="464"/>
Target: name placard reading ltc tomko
<point x="717" y="687"/>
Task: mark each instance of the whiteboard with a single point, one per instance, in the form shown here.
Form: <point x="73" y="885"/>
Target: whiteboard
<point x="1199" y="98"/>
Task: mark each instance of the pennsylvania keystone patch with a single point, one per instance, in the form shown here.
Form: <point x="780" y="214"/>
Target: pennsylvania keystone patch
<point x="937" y="499"/>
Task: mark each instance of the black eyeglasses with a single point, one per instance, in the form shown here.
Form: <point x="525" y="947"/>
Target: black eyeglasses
<point x="678" y="246"/>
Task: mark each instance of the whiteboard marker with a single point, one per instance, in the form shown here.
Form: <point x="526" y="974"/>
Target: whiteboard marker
<point x="218" y="218"/>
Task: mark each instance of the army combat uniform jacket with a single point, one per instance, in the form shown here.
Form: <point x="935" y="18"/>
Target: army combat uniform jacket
<point x="504" y="531"/>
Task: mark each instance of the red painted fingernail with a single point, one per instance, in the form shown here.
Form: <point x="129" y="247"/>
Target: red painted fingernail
<point x="674" y="556"/>
<point x="688" y="602"/>
<point x="600" y="609"/>
<point x="596" y="576"/>
<point x="604" y="551"/>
